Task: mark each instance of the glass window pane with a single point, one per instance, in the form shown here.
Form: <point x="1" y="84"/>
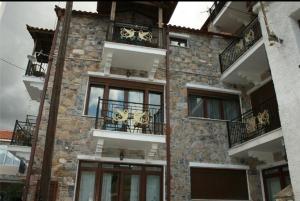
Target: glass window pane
<point x="196" y="106"/>
<point x="87" y="183"/>
<point x="153" y="188"/>
<point x="131" y="188"/>
<point x="213" y="109"/>
<point x="109" y="187"/>
<point x="95" y="92"/>
<point x="273" y="186"/>
<point x="136" y="109"/>
<point x="230" y="109"/>
<point x="115" y="110"/>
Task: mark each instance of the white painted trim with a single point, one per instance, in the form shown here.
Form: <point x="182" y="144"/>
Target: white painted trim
<point x="242" y="58"/>
<point x="214" y="89"/>
<point x="248" y="184"/>
<point x="123" y="77"/>
<point x="267" y="137"/>
<point x="207" y="119"/>
<point x="262" y="83"/>
<point x="262" y="185"/>
<point x="75" y="187"/>
<point x="125" y="160"/>
<point x="221" y="12"/>
<point x="179" y="35"/>
<point x="85" y="97"/>
<point x="16" y="148"/>
<point x="129" y="136"/>
<point x="134" y="48"/>
<point x="218" y="166"/>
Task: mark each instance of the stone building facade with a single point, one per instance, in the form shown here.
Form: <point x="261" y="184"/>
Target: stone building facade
<point x="196" y="142"/>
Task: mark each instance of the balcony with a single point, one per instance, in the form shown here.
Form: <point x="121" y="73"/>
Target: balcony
<point x="230" y="16"/>
<point x="257" y="130"/>
<point x="244" y="60"/>
<point x="23" y="131"/>
<point x="34" y="78"/>
<point x="133" y="47"/>
<point x="129" y="125"/>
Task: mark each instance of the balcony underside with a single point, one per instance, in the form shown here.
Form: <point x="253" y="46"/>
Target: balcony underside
<point x="34" y="86"/>
<point x="262" y="146"/>
<point x="249" y="67"/>
<point x="125" y="140"/>
<point x="131" y="57"/>
<point x="232" y="16"/>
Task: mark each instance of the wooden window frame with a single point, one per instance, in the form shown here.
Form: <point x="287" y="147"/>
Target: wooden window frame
<point x="280" y="174"/>
<point x="125" y="85"/>
<point x="205" y="95"/>
<point x="99" y="170"/>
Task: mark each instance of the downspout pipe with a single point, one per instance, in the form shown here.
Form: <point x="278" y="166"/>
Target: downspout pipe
<point x="40" y="111"/>
<point x="168" y="127"/>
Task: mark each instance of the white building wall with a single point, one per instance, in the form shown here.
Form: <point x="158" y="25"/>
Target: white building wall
<point x="284" y="60"/>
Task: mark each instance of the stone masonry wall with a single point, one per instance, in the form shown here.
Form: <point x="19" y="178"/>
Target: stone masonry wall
<point x="192" y="139"/>
<point x="196" y="139"/>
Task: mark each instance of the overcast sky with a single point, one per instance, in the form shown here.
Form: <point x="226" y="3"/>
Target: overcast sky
<point x="16" y="44"/>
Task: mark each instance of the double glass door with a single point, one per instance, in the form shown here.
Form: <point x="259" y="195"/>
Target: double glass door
<point x="275" y="179"/>
<point x="115" y="182"/>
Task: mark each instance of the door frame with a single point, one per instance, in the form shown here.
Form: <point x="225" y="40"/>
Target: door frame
<point x="121" y="172"/>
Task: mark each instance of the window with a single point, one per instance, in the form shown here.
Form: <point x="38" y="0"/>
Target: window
<point x="181" y="42"/>
<point x="219" y="184"/>
<point x="118" y="92"/>
<point x="213" y="105"/>
<point x="115" y="181"/>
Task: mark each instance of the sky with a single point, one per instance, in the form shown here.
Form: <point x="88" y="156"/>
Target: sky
<point x="16" y="44"/>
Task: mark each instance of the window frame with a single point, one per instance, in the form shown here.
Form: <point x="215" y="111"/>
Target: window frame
<point x="212" y="95"/>
<point x="125" y="85"/>
<point x="179" y="38"/>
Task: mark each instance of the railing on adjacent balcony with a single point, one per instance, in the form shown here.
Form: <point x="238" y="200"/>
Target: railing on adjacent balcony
<point x="253" y="123"/>
<point x="36" y="69"/>
<point x="135" y="34"/>
<point x="248" y="37"/>
<point x="216" y="8"/>
<point x="23" y="131"/>
<point x="129" y="117"/>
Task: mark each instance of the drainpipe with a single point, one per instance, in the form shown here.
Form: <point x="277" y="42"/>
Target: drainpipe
<point x="43" y="193"/>
<point x="39" y="116"/>
<point x="168" y="127"/>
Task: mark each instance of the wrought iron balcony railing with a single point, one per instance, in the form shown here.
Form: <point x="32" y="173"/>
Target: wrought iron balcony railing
<point x="37" y="69"/>
<point x="135" y="34"/>
<point x="248" y="37"/>
<point x="129" y="117"/>
<point x="23" y="131"/>
<point x="253" y="123"/>
<point x="216" y="8"/>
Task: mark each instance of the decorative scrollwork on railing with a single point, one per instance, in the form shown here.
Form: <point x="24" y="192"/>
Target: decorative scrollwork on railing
<point x="131" y="34"/>
<point x="127" y="33"/>
<point x="120" y="116"/>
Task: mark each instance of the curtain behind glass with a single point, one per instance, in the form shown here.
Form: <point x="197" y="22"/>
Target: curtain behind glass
<point x="87" y="184"/>
<point x="106" y="187"/>
<point x="95" y="92"/>
<point x="230" y="109"/>
<point x="134" y="187"/>
<point x="196" y="106"/>
<point x="153" y="188"/>
<point x="213" y="109"/>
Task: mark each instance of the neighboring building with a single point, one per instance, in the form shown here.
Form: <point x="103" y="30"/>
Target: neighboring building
<point x="265" y="60"/>
<point x="15" y="148"/>
<point x="110" y="141"/>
